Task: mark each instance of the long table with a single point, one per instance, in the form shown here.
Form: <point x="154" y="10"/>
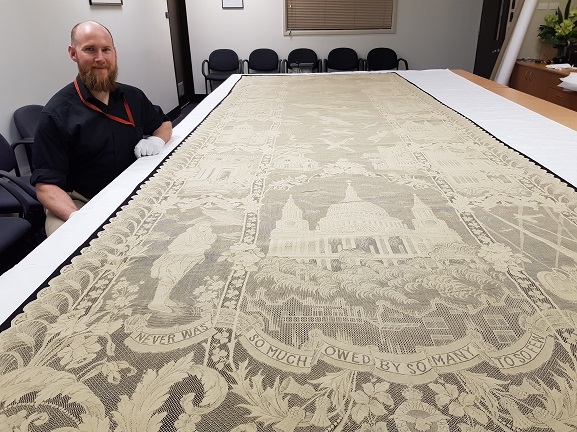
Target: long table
<point x="383" y="251"/>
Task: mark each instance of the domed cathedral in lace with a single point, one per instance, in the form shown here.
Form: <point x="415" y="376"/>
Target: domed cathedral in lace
<point x="356" y="224"/>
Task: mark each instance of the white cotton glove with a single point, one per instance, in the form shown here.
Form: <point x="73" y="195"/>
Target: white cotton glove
<point x="148" y="146"/>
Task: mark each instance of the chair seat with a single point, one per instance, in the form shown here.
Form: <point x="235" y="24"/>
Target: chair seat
<point x="17" y="197"/>
<point x="9" y="204"/>
<point x="218" y="76"/>
<point x="12" y="231"/>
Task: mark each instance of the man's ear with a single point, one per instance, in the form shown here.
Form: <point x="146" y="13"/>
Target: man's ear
<point x="72" y="53"/>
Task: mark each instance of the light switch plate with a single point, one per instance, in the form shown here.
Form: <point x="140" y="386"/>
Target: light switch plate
<point x="553" y="6"/>
<point x="543" y="6"/>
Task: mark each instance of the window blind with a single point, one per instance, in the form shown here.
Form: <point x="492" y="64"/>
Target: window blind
<point x="303" y="15"/>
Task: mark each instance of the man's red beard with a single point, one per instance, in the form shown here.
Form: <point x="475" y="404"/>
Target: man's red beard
<point x="97" y="83"/>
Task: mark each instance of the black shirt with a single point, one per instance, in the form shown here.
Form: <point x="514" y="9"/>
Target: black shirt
<point x="78" y="148"/>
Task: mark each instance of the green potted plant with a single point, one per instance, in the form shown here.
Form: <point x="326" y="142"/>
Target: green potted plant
<point x="560" y="29"/>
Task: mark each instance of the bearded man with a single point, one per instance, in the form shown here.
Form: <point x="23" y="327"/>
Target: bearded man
<point x="92" y="129"/>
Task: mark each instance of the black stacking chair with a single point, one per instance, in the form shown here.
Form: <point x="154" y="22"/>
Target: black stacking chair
<point x="18" y="231"/>
<point x="263" y="60"/>
<point x="8" y="203"/>
<point x="384" y="59"/>
<point x="343" y="59"/>
<point x="302" y="60"/>
<point x="26" y="120"/>
<point x="220" y="65"/>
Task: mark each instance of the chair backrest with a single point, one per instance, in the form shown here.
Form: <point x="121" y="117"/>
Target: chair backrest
<point x="302" y="56"/>
<point x="26" y="119"/>
<point x="343" y="59"/>
<point x="223" y="60"/>
<point x="263" y="60"/>
<point x="382" y="59"/>
<point x="7" y="157"/>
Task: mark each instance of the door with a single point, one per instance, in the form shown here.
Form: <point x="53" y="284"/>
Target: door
<point x="495" y="17"/>
<point x="181" y="51"/>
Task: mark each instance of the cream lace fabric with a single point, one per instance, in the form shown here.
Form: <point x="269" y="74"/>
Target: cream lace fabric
<point x="323" y="253"/>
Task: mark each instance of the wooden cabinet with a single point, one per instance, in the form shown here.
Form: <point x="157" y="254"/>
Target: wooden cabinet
<point x="537" y="80"/>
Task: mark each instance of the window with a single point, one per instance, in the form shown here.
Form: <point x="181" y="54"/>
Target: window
<point x="440" y="340"/>
<point x="496" y="321"/>
<point x="339" y="16"/>
<point x="435" y="323"/>
<point x="506" y="336"/>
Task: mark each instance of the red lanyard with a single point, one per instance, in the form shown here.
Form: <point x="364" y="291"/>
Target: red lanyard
<point x="110" y="116"/>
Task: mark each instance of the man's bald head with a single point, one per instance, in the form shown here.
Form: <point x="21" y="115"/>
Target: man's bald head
<point x="86" y="26"/>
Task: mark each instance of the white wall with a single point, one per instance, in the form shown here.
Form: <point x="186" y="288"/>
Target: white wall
<point x="430" y="33"/>
<point x="35" y="63"/>
<point x="531" y="47"/>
